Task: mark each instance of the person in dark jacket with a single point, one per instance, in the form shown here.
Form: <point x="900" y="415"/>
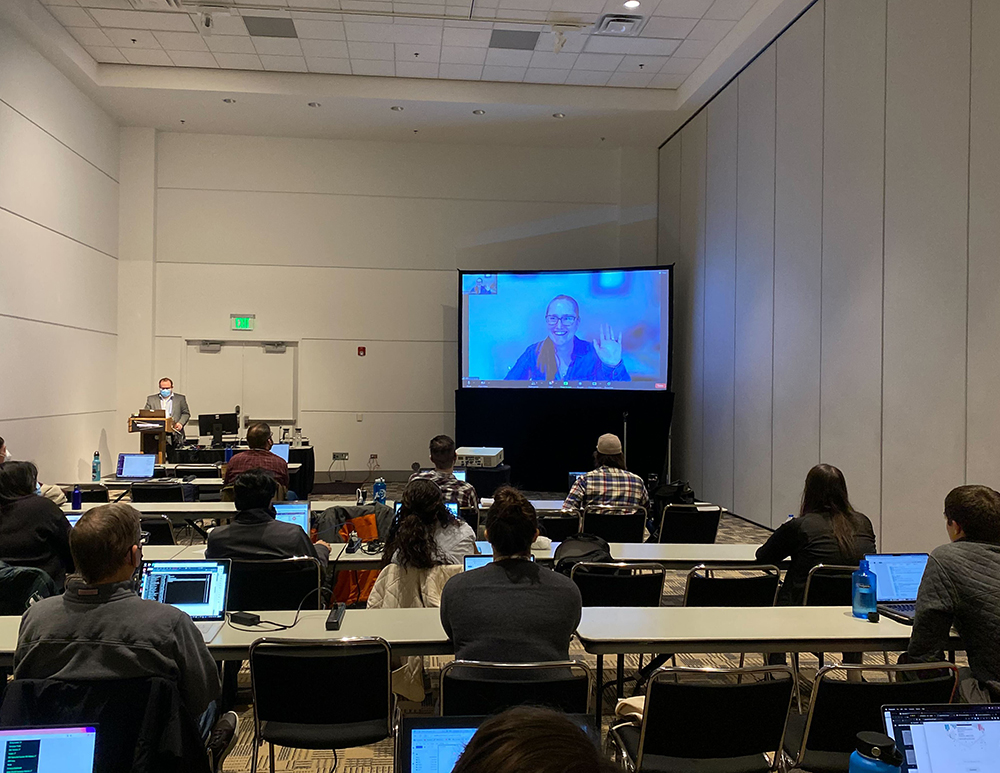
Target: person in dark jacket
<point x="827" y="530"/>
<point x="254" y="533"/>
<point x="33" y="530"/>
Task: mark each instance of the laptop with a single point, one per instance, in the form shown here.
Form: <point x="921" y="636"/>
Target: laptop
<point x="73" y="518"/>
<point x="135" y="466"/>
<point x="477" y="561"/>
<point x="280" y="449"/>
<point x="484" y="547"/>
<point x="897" y="579"/>
<point x="199" y="588"/>
<point x="946" y="737"/>
<point x="294" y="512"/>
<point x="31" y="749"/>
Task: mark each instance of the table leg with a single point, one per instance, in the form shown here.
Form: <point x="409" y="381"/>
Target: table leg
<point x="621" y="676"/>
<point x="597" y="699"/>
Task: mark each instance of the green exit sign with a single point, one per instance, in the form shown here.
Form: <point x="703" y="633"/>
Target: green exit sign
<point x="242" y="321"/>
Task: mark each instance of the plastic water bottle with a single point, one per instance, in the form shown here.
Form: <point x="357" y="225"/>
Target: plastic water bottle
<point x="77" y="498"/>
<point x="875" y="753"/>
<point x="95" y="468"/>
<point x="863" y="598"/>
<point x="378" y="491"/>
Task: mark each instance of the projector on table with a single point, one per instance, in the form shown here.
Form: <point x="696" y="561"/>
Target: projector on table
<point x="478" y="457"/>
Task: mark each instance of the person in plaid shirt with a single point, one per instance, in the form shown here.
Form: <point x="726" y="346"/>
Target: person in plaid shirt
<point x="443" y="455"/>
<point x="259" y="457"/>
<point x="609" y="483"/>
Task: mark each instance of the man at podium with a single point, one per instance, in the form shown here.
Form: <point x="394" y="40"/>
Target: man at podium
<point x="175" y="405"/>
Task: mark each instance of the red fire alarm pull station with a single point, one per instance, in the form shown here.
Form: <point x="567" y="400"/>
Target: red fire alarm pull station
<point x="361" y="351"/>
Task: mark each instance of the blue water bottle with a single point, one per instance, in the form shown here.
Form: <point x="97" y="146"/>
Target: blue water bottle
<point x="95" y="468"/>
<point x="863" y="599"/>
<point x="378" y="491"/>
<point x="77" y="498"/>
<point x="875" y="753"/>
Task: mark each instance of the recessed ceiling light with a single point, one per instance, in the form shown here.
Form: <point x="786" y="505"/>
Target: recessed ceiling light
<point x="397" y="108"/>
<point x="229" y="100"/>
<point x="631" y="3"/>
<point x="479" y="112"/>
<point x="559" y="115"/>
<point x="315" y="104"/>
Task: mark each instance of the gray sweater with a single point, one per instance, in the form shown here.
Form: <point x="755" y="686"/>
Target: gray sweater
<point x="961" y="587"/>
<point x="511" y="611"/>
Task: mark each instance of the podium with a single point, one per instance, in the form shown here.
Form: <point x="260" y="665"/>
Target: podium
<point x="153" y="433"/>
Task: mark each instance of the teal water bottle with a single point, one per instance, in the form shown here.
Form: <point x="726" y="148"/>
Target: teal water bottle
<point x="95" y="468"/>
<point x="875" y="753"/>
<point x="863" y="599"/>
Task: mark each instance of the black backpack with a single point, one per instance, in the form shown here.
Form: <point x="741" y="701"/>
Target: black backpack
<point x="581" y="548"/>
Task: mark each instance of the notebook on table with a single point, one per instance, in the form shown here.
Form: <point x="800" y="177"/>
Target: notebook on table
<point x="135" y="467"/>
<point x="945" y="738"/>
<point x="199" y="588"/>
<point x="40" y="749"/>
<point x="294" y="512"/>
<point x="897" y="580"/>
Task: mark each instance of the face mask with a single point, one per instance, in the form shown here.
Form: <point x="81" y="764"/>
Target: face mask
<point x="7" y="454"/>
<point x="164" y="393"/>
<point x="38" y="489"/>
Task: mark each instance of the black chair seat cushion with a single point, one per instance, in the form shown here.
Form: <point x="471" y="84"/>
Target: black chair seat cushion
<point x="815" y="761"/>
<point x="305" y="736"/>
<point x="655" y="763"/>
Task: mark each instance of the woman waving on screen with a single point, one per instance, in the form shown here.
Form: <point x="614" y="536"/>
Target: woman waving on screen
<point x="563" y="356"/>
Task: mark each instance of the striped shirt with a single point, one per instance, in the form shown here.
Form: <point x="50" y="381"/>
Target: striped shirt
<point x="607" y="486"/>
<point x="454" y="490"/>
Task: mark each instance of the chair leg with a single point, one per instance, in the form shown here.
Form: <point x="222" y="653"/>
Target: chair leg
<point x="621" y="676"/>
<point x="254" y="751"/>
<point x="270" y="748"/>
<point x="743" y="657"/>
<point x="600" y="690"/>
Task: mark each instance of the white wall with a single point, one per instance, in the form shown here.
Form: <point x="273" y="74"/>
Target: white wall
<point x="339" y="244"/>
<point x="834" y="216"/>
<point x="58" y="266"/>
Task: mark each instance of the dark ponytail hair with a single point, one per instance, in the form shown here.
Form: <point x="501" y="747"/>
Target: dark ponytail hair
<point x="511" y="523"/>
<point x="825" y="492"/>
<point x="411" y="536"/>
<point x="17" y="479"/>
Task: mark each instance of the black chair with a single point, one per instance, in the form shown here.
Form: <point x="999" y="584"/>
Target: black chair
<point x="687" y="524"/>
<point x="558" y="527"/>
<point x="614" y="523"/>
<point x="562" y="685"/>
<point x="197" y="470"/>
<point x="159" y="528"/>
<point x="18" y="584"/>
<point x="157" y="492"/>
<point x="829" y="585"/>
<point x="471" y="516"/>
<point x="329" y="694"/>
<point x="755" y="585"/>
<point x="714" y="724"/>
<point x="283" y="583"/>
<point x="90" y="492"/>
<point x="822" y="740"/>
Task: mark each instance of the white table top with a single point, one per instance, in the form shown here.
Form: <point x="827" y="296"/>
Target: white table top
<point x="556" y="505"/>
<point x="206" y="509"/>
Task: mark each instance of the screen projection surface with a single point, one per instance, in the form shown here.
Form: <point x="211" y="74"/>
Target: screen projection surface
<point x="599" y="329"/>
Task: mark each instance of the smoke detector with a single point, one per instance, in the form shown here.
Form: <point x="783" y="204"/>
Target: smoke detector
<point x="619" y="25"/>
<point x="157" y="5"/>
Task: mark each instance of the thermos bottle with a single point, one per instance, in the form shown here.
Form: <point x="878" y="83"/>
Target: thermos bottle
<point x="875" y="753"/>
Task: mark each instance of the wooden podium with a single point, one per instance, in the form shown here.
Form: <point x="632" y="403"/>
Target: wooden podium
<point x="153" y="431"/>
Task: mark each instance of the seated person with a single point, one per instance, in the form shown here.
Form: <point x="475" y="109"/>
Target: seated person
<point x="33" y="530"/>
<point x="254" y="533"/>
<point x="961" y="587"/>
<point x="531" y="738"/>
<point x="609" y="483"/>
<point x="259" y="457"/>
<point x="101" y="630"/>
<point x="443" y="456"/>
<point x="425" y="533"/>
<point x="511" y="610"/>
<point x="48" y="490"/>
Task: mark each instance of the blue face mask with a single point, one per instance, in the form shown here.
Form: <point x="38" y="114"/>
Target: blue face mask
<point x="38" y="489"/>
<point x="164" y="393"/>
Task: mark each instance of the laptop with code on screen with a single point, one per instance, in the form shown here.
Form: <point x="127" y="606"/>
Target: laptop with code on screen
<point x="199" y="588"/>
<point x="135" y="466"/>
<point x="897" y="580"/>
<point x="294" y="512"/>
<point x="45" y="749"/>
<point x="945" y="738"/>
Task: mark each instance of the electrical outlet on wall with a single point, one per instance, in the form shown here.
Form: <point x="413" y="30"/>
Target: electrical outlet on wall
<point x="374" y="457"/>
<point x="340" y="456"/>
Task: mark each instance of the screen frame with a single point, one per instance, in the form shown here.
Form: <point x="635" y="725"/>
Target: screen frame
<point x="669" y="267"/>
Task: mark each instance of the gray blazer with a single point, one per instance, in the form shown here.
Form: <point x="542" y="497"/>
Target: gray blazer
<point x="180" y="413"/>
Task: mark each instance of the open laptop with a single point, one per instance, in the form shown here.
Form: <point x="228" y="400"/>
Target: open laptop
<point x="280" y="449"/>
<point x="573" y="476"/>
<point x="294" y="512"/>
<point x="135" y="466"/>
<point x="897" y="579"/>
<point x="40" y="749"/>
<point x="199" y="588"/>
<point x="476" y="561"/>
<point x="943" y="738"/>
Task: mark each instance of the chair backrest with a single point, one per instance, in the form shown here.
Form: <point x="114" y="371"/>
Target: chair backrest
<point x="343" y="682"/>
<point x="198" y="470"/>
<point x="829" y="585"/>
<point x="840" y="709"/>
<point x="157" y="492"/>
<point x="92" y="492"/>
<point x="471" y="516"/>
<point x="732" y="586"/>
<point x="18" y="584"/>
<point x="284" y="583"/>
<point x="718" y="715"/>
<point x="619" y="585"/>
<point x="615" y="524"/>
<point x="476" y="688"/>
<point x="159" y="528"/>
<point x="559" y="527"/>
<point x="687" y="524"/>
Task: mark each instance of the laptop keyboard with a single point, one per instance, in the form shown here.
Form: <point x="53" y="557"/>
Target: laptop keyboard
<point x="904" y="608"/>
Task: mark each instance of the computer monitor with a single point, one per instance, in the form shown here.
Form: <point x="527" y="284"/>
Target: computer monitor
<point x="40" y="749"/>
<point x="897" y="575"/>
<point x="135" y="466"/>
<point x="294" y="512"/>
<point x="217" y="425"/>
<point x="199" y="588"/>
<point x="280" y="449"/>
<point x="945" y="737"/>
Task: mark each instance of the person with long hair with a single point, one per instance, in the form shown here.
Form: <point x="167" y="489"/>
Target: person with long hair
<point x="827" y="530"/>
<point x="425" y="534"/>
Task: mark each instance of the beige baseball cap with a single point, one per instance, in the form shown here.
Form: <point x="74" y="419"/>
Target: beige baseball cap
<point x="609" y="445"/>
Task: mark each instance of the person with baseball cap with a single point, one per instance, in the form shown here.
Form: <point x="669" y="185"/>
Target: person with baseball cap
<point x="609" y="483"/>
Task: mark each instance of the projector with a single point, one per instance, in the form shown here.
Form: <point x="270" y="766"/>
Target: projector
<point x="479" y="457"/>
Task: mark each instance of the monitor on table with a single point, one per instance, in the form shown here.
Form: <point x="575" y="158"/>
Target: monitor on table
<point x="198" y="588"/>
<point x="294" y="512"/>
<point x="48" y="749"/>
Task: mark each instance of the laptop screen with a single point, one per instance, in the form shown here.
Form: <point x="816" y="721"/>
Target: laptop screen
<point x="474" y="562"/>
<point x="135" y="465"/>
<point x="196" y="587"/>
<point x="897" y="575"/>
<point x="484" y="547"/>
<point x="946" y="737"/>
<point x="280" y="449"/>
<point x="73" y="518"/>
<point x="48" y="749"/>
<point x="297" y="513"/>
<point x="459" y="474"/>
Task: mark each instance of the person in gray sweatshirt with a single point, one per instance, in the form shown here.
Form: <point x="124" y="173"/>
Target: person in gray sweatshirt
<point x="961" y="588"/>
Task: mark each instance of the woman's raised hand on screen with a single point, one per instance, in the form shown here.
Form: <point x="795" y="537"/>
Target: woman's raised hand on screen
<point x="609" y="348"/>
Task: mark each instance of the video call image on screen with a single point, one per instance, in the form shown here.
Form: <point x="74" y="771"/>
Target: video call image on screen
<point x="606" y="329"/>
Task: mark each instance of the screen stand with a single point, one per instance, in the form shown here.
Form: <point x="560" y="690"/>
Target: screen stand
<point x="217" y="435"/>
<point x="625" y="437"/>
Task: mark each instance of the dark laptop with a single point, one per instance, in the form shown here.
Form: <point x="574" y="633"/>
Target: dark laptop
<point x="897" y="579"/>
<point x="945" y="738"/>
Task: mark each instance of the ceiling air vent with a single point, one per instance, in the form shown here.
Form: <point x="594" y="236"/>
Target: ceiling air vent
<point x="158" y="5"/>
<point x="620" y="25"/>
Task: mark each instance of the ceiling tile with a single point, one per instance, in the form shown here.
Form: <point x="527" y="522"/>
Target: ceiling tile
<point x="108" y="54"/>
<point x="147" y="56"/>
<point x="369" y="33"/>
<point x="419" y="8"/>
<point x="324" y="48"/>
<point x="371" y="67"/>
<point x="467" y="72"/>
<point x="264" y="2"/>
<point x="133" y="38"/>
<point x="316" y="15"/>
<point x="603" y="62"/>
<point x="694" y="49"/>
<point x="639" y="46"/>
<point x="643" y="64"/>
<point x="548" y="60"/>
<point x="545" y="75"/>
<point x="239" y="61"/>
<point x="284" y="63"/>
<point x="277" y="46"/>
<point x="501" y="73"/>
<point x="329" y="65"/>
<point x="523" y="5"/>
<point x="144" y="20"/>
<point x="636" y="80"/>
<point x="123" y="4"/>
<point x="587" y="78"/>
<point x="465" y="37"/>
<point x="730" y="10"/>
<point x="320" y="30"/>
<point x="573" y="45"/>
<point x="59" y="2"/>
<point x="270" y="26"/>
<point x="181" y="41"/>
<point x="578" y="6"/>
<point x="506" y="58"/>
<point x="415" y="22"/>
<point x="510" y="26"/>
<point x="224" y="24"/>
<point x="416" y="69"/>
<point x="455" y="55"/>
<point x="405" y="53"/>
<point x="472" y="25"/>
<point x="408" y="33"/>
<point x="193" y="59"/>
<point x="668" y="27"/>
<point x="231" y="44"/>
<point x="711" y="30"/>
<point x="688" y="9"/>
<point x="366" y="5"/>
<point x="90" y="36"/>
<point x="677" y="65"/>
<point x="70" y="16"/>
<point x="667" y="81"/>
<point x="331" y="4"/>
<point x="371" y="50"/>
